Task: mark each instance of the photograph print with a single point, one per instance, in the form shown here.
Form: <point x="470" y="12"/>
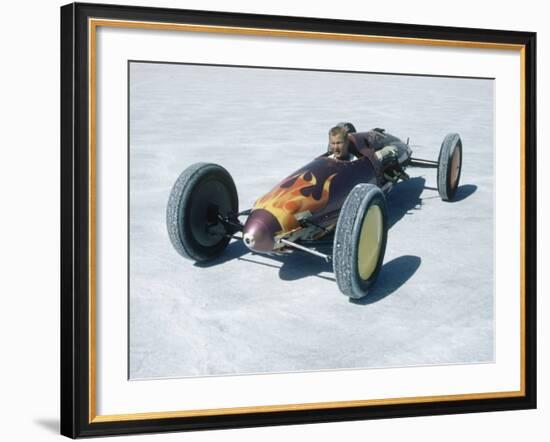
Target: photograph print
<point x="289" y="220"/>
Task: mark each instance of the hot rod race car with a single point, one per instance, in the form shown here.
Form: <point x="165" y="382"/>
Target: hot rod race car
<point x="343" y="201"/>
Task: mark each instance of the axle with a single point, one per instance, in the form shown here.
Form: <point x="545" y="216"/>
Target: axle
<point x="418" y="162"/>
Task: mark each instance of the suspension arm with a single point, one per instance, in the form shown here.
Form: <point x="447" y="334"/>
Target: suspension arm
<point x="327" y="258"/>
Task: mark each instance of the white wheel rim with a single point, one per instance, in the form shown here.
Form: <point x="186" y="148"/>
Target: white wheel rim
<point x="370" y="241"/>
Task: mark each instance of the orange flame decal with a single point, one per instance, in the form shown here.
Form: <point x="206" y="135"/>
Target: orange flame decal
<point x="291" y="197"/>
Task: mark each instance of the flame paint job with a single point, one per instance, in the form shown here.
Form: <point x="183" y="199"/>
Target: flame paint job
<point x="298" y="193"/>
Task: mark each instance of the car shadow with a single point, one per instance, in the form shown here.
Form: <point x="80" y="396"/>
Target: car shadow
<point x="297" y="265"/>
<point x="294" y="266"/>
<point x="464" y="192"/>
<point x="392" y="276"/>
<point x="234" y="250"/>
<point x="404" y="199"/>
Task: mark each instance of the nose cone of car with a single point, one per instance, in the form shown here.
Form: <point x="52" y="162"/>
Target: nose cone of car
<point x="259" y="231"/>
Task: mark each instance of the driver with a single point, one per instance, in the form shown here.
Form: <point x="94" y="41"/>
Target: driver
<point x="339" y="144"/>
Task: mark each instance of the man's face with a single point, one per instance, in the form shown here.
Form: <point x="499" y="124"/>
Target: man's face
<point x="339" y="146"/>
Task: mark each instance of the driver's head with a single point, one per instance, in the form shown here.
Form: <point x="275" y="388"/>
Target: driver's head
<point x="338" y="142"/>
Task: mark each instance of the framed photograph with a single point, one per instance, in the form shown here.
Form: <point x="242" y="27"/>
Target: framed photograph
<point x="273" y="220"/>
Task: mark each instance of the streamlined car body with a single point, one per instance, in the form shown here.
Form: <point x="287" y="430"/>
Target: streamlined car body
<point x="328" y="200"/>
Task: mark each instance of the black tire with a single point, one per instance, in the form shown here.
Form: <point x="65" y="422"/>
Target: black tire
<point x="449" y="166"/>
<point x="356" y="267"/>
<point x="201" y="191"/>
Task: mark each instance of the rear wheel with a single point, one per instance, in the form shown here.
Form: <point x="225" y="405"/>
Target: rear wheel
<point x="449" y="167"/>
<point x="360" y="240"/>
<point x="201" y="192"/>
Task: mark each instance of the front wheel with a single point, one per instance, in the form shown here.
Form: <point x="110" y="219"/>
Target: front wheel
<point x="202" y="192"/>
<point x="449" y="166"/>
<point x="360" y="240"/>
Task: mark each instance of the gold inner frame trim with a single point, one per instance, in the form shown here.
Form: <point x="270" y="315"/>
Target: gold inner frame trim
<point x="92" y="28"/>
<point x="299" y="34"/>
<point x="305" y="406"/>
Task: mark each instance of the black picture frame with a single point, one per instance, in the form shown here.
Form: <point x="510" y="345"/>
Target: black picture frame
<point x="77" y="417"/>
